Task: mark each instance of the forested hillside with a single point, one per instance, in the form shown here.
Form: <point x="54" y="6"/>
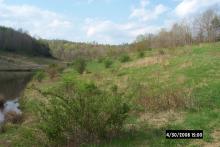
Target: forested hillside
<point x="22" y="43"/>
<point x="68" y="50"/>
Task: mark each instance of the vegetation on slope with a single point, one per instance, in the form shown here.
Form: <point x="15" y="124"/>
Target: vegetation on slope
<point x="164" y="89"/>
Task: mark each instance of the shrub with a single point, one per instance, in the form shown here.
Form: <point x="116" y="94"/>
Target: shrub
<point x="52" y="70"/>
<point x="161" y="52"/>
<point x="125" y="58"/>
<point x="39" y="75"/>
<point x="108" y="63"/>
<point x="80" y="108"/>
<point x="100" y="60"/>
<point x="114" y="88"/>
<point x="79" y="65"/>
<point x="149" y="49"/>
<point x="141" y="54"/>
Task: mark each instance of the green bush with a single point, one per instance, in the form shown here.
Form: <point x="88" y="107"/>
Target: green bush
<point x="125" y="58"/>
<point x="100" y="60"/>
<point x="114" y="88"/>
<point x="141" y="54"/>
<point x="161" y="52"/>
<point x="79" y="65"/>
<point x="82" y="109"/>
<point x="108" y="63"/>
<point x="39" y="75"/>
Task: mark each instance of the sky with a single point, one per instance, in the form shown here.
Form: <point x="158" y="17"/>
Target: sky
<point x="102" y="21"/>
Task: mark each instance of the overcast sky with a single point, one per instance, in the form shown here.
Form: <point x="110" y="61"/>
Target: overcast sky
<point x="103" y="21"/>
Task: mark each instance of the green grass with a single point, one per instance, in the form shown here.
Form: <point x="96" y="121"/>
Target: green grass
<point x="202" y="75"/>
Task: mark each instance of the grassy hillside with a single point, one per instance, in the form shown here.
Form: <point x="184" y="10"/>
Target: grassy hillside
<point x="167" y="89"/>
<point x="17" y="61"/>
<point x="174" y="89"/>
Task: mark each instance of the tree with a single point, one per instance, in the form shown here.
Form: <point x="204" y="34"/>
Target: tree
<point x="204" y="25"/>
<point x="180" y="35"/>
<point x="216" y="27"/>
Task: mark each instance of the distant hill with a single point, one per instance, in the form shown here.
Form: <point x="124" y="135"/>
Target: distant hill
<point x="67" y="50"/>
<point x="21" y="43"/>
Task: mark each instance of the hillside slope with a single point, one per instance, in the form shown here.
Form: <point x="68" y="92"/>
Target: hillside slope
<point x="170" y="89"/>
<point x="10" y="61"/>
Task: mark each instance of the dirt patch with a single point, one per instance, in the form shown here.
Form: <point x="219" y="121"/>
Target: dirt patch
<point x="148" y="61"/>
<point x="162" y="118"/>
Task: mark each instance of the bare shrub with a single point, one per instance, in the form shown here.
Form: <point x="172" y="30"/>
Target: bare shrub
<point x="52" y="71"/>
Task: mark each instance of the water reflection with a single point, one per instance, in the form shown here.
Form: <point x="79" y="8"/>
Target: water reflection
<point x="10" y="106"/>
<point x="13" y="83"/>
<point x="11" y="86"/>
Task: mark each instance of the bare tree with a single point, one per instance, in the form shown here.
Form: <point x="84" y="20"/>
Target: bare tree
<point x="204" y="26"/>
<point x="216" y="27"/>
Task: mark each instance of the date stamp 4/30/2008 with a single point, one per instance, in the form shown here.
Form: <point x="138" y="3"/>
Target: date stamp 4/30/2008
<point x="184" y="134"/>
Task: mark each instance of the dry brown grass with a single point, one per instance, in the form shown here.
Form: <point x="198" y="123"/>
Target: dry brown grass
<point x="148" y="61"/>
<point x="214" y="143"/>
<point x="122" y="82"/>
<point x="181" y="79"/>
<point x="13" y="117"/>
<point x="168" y="100"/>
<point x="162" y="118"/>
<point x="5" y="143"/>
<point x="186" y="64"/>
<point x="215" y="54"/>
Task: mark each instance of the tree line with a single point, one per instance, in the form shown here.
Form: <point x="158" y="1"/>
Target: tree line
<point x="203" y="28"/>
<point x="67" y="50"/>
<point x="18" y="41"/>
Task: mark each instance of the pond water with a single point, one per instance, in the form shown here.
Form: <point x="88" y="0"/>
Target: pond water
<point x="12" y="85"/>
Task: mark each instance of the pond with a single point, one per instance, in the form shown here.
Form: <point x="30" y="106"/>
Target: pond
<point x="12" y="85"/>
